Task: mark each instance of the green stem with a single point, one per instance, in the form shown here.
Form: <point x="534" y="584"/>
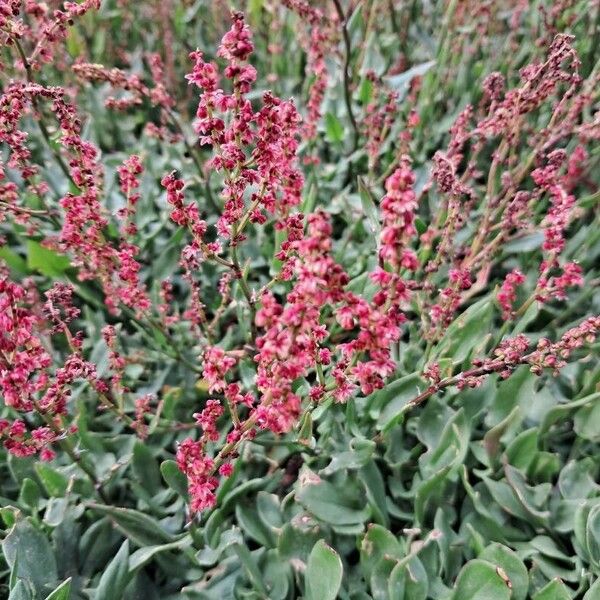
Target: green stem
<point x="347" y="77"/>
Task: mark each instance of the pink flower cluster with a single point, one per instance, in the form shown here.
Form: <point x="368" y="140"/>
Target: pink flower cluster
<point x="294" y="342"/>
<point x="507" y="294"/>
<point x="293" y="334"/>
<point x="507" y="212"/>
<point x="129" y="173"/>
<point x="24" y="359"/>
<point x="58" y="308"/>
<point x="41" y="24"/>
<point x="83" y="233"/>
<point x="27" y="384"/>
<point x="134" y="92"/>
<point x="253" y="149"/>
<point x="378" y="120"/>
<point x="116" y="361"/>
<point x="539" y="82"/>
<point x="398" y="215"/>
<point x="442" y="313"/>
<point x="558" y="217"/>
<point x="554" y="355"/>
<point x="550" y="179"/>
<point x="319" y="42"/>
<point x="216" y="365"/>
<point x="199" y="469"/>
<point x="13" y="105"/>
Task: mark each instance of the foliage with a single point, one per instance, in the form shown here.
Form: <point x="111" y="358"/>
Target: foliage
<point x="318" y="322"/>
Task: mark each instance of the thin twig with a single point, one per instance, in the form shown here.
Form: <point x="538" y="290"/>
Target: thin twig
<point x="348" y="52"/>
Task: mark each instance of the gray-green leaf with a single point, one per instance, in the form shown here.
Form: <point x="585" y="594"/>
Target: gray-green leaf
<point x="323" y="573"/>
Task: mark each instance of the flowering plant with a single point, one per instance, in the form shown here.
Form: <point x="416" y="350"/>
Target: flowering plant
<point x="321" y="322"/>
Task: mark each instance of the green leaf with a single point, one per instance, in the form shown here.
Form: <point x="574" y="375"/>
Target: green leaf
<point x="481" y="580"/>
<point x="269" y="510"/>
<point x="450" y="448"/>
<point x="54" y="483"/>
<point x="513" y="567"/>
<point x="587" y="422"/>
<point x="56" y="510"/>
<point x="138" y="527"/>
<point x="297" y="538"/>
<point x="333" y="128"/>
<point x="527" y="243"/>
<point x="142" y="556"/>
<point x="323" y="573"/>
<point x="30" y="493"/>
<point x="589" y="201"/>
<point x="74" y="42"/>
<point x="9" y="515"/>
<point x="594" y="592"/>
<point x="491" y="440"/>
<point x="420" y="226"/>
<point x="369" y="208"/>
<point x="209" y="556"/>
<point x="372" y="479"/>
<point x="13" y="260"/>
<point x="146" y="468"/>
<point x="12" y="581"/>
<point x="252" y="525"/>
<point x="576" y="481"/>
<point x="560" y="411"/>
<point x="430" y="488"/>
<point x="401" y="82"/>
<point x="365" y="92"/>
<point x="175" y="479"/>
<point x="592" y="534"/>
<point x="523" y="450"/>
<point x="331" y="505"/>
<point x="309" y="201"/>
<point x="467" y="331"/>
<point x="390" y="402"/>
<point x="409" y="580"/>
<point x="21" y="592"/>
<point x="62" y="592"/>
<point x="36" y="563"/>
<point x="305" y="431"/>
<point x="580" y="521"/>
<point x="359" y="455"/>
<point x="377" y="544"/>
<point x="433" y="420"/>
<point x="254" y="9"/>
<point x="555" y="590"/>
<point x="373" y="58"/>
<point x="116" y="576"/>
<point x="277" y="575"/>
<point x="46" y="261"/>
<point x="249" y="564"/>
<point x="233" y="496"/>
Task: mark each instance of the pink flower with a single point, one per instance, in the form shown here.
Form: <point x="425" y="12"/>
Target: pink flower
<point x="226" y="469"/>
<point x="237" y="42"/>
<point x="216" y="364"/>
<point x="507" y="294"/>
<point x="397" y="214"/>
<point x="198" y="467"/>
<point x="207" y="419"/>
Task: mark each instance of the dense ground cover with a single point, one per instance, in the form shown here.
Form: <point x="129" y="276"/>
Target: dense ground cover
<point x="299" y="300"/>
